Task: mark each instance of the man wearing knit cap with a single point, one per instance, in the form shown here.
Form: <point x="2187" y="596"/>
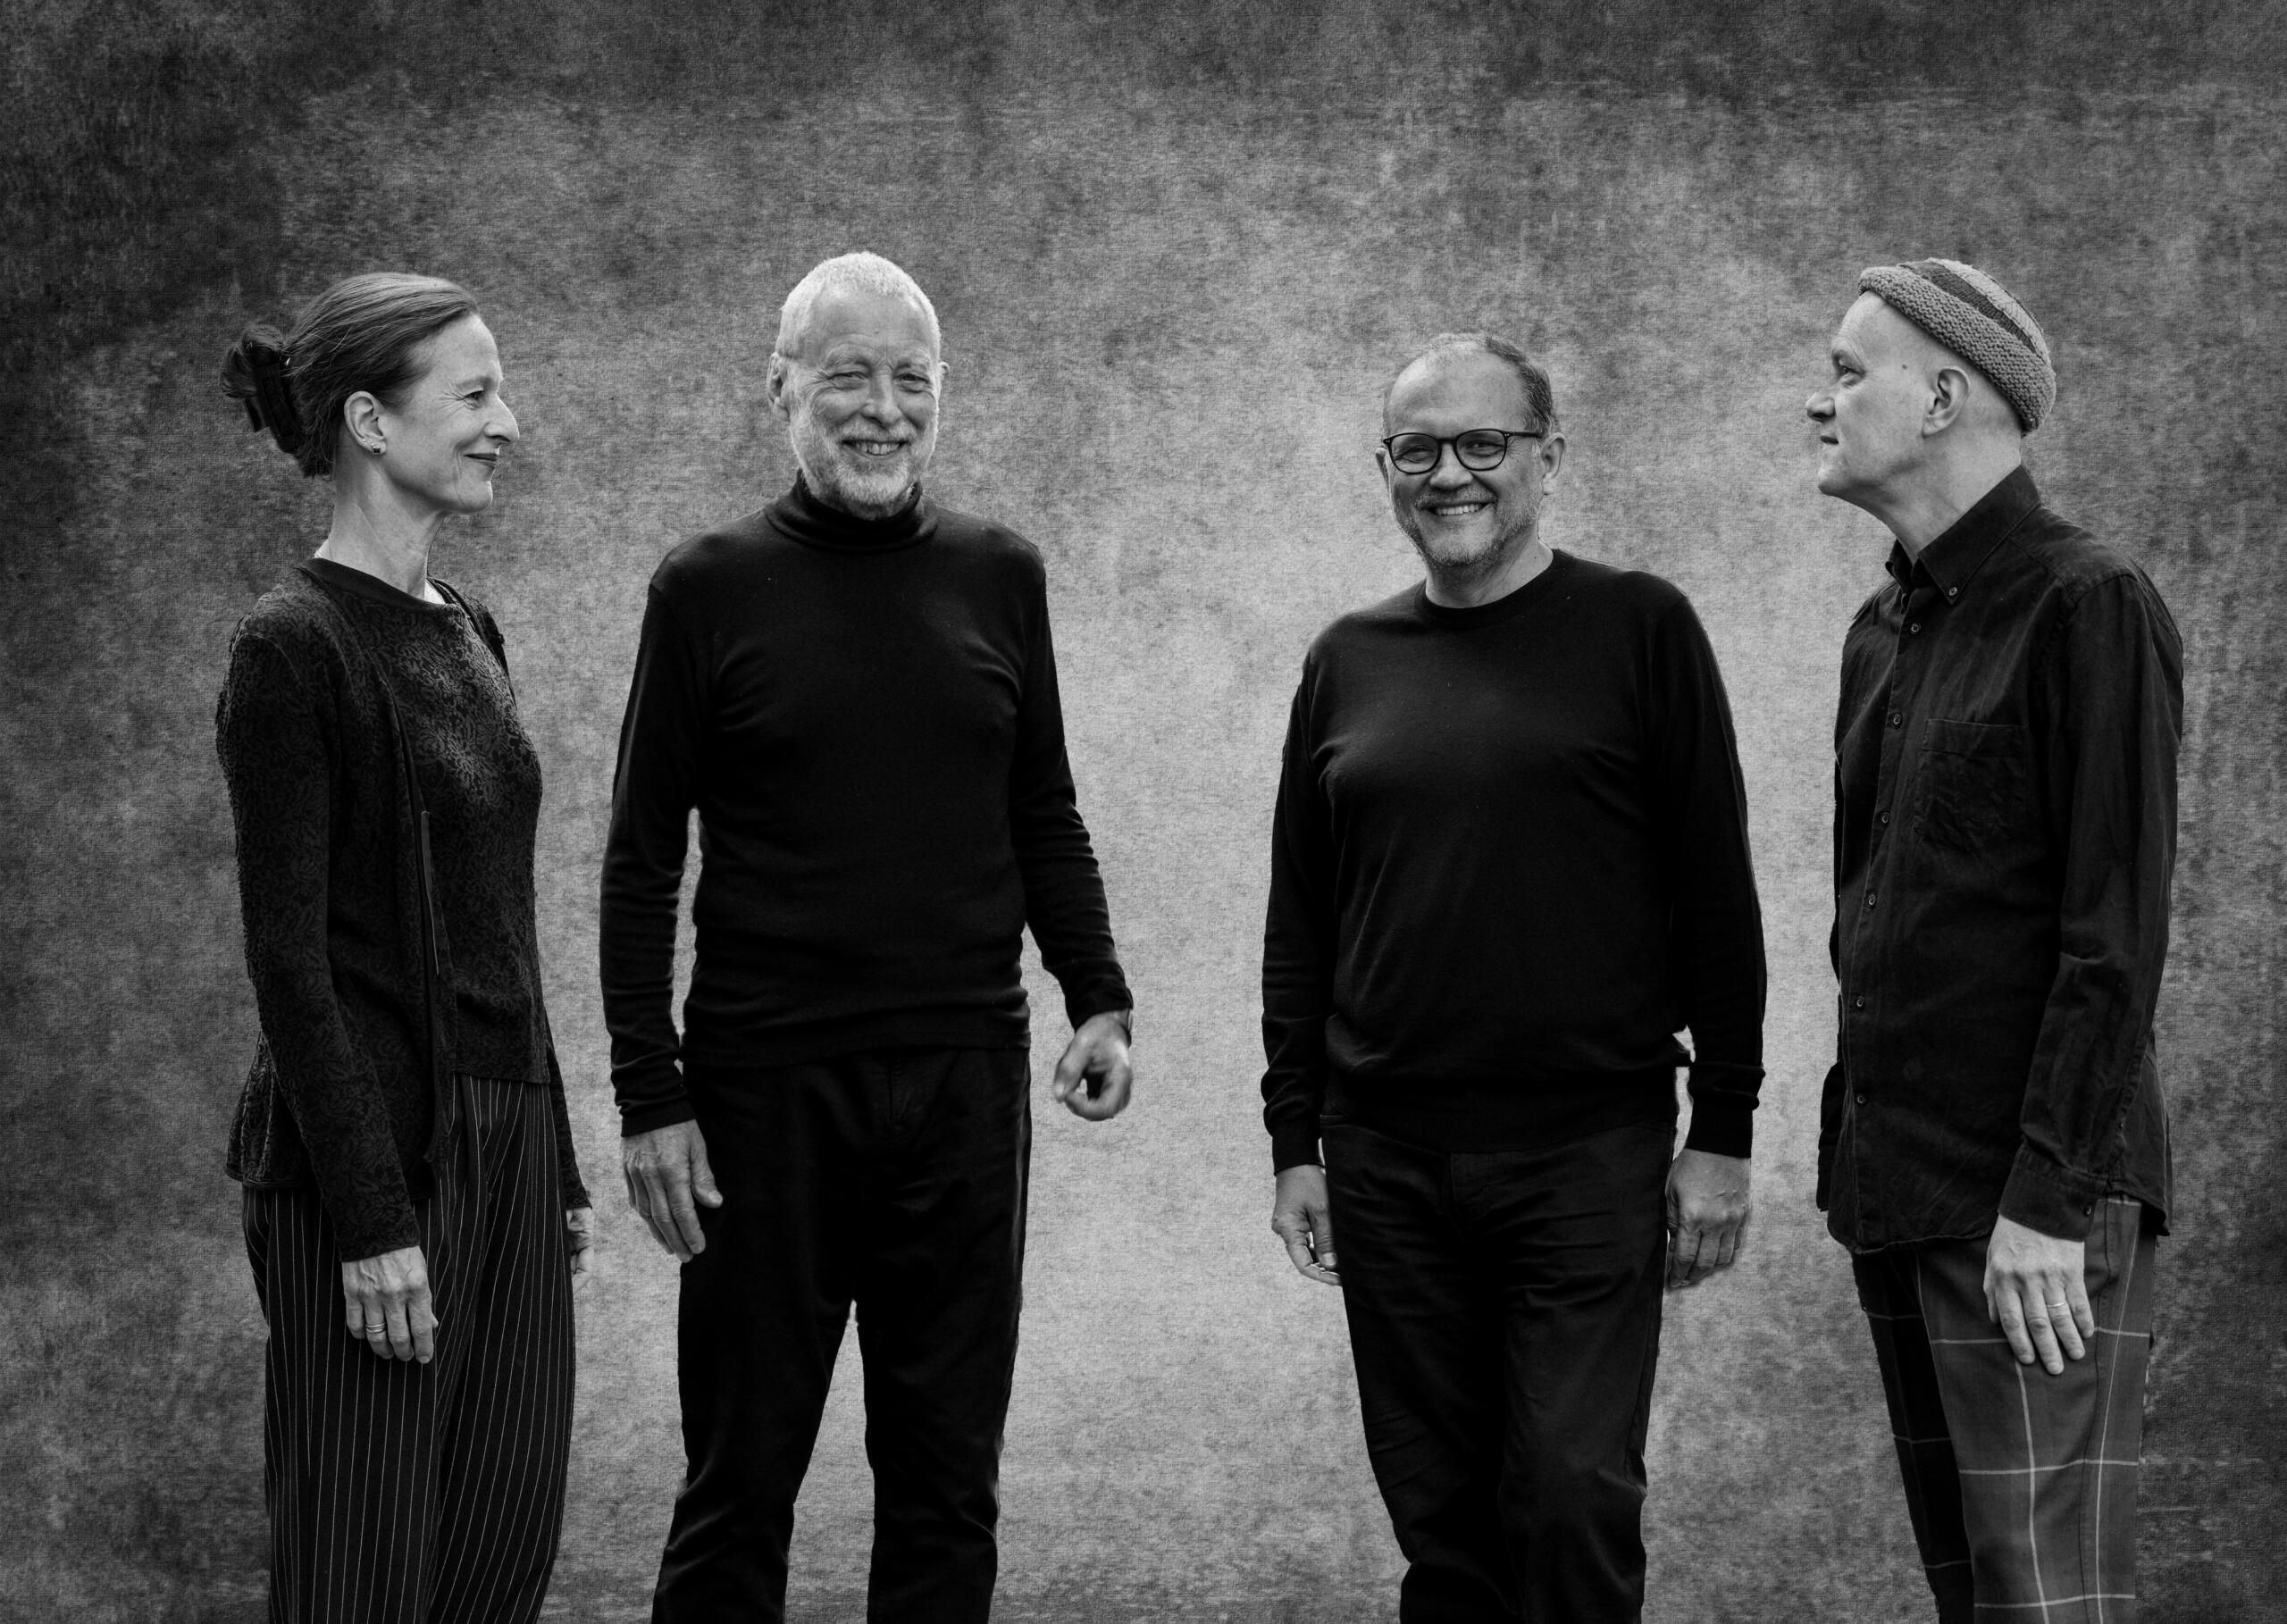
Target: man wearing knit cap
<point x="1993" y="1141"/>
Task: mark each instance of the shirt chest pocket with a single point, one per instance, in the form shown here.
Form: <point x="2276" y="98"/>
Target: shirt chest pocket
<point x="1976" y="784"/>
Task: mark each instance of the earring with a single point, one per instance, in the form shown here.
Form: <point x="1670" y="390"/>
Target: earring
<point x="378" y="447"/>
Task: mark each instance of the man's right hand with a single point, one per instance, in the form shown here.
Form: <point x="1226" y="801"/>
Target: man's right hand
<point x="667" y="1172"/>
<point x="1298" y="1217"/>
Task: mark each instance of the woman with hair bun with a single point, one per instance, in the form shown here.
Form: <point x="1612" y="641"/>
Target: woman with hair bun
<point x="414" y="1212"/>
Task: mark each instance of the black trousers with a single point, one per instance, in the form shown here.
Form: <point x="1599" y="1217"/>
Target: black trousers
<point x="409" y="1494"/>
<point x="1504" y="1319"/>
<point x="894" y="1180"/>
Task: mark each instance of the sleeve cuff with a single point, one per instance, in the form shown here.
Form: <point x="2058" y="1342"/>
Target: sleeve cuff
<point x="655" y="1114"/>
<point x="1094" y="1001"/>
<point x="1721" y="1126"/>
<point x="1294" y="1144"/>
<point x="1723" y="1108"/>
<point x="2053" y="1200"/>
<point x="359" y="1242"/>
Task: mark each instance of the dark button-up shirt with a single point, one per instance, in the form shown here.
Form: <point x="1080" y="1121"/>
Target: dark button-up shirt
<point x="2005" y="827"/>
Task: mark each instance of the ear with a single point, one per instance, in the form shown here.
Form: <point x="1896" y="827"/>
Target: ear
<point x="774" y="386"/>
<point x="1549" y="452"/>
<point x="1949" y="399"/>
<point x="363" y="414"/>
<point x="1389" y="474"/>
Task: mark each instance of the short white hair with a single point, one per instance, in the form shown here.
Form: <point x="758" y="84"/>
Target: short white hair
<point x="859" y="273"/>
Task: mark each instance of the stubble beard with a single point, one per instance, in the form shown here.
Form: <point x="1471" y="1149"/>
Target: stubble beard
<point x="1469" y="570"/>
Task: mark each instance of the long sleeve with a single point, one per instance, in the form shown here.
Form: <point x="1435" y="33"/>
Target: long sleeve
<point x="567" y="1158"/>
<point x="1716" y="929"/>
<point x="1298" y="952"/>
<point x="1064" y="892"/>
<point x="2117" y="683"/>
<point x="280" y="769"/>
<point x="653" y="791"/>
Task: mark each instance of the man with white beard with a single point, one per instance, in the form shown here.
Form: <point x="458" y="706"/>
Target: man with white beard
<point x="856" y="689"/>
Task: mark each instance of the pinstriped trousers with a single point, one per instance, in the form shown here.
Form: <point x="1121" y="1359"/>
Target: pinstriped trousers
<point x="408" y="1493"/>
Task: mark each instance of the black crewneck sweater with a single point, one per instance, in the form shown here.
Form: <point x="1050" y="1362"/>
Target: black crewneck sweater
<point x="1509" y="864"/>
<point x="864" y="715"/>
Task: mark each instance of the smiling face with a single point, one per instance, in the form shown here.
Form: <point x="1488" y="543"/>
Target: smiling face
<point x="1465" y="522"/>
<point x="1871" y="414"/>
<point x="444" y="437"/>
<point x="860" y="396"/>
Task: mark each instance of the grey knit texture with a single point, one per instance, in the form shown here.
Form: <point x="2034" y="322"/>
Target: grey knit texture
<point x="2016" y="362"/>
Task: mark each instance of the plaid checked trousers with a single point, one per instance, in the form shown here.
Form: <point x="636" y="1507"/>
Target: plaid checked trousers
<point x="2021" y="1484"/>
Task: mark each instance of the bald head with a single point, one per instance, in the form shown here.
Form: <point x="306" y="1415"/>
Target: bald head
<point x="1891" y="341"/>
<point x="1907" y="429"/>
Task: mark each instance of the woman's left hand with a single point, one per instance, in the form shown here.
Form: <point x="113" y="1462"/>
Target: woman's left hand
<point x="579" y="1242"/>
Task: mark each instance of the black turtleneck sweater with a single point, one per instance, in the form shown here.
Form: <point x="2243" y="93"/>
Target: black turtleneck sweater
<point x="864" y="715"/>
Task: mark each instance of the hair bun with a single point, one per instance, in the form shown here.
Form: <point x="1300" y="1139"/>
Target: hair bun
<point x="255" y="374"/>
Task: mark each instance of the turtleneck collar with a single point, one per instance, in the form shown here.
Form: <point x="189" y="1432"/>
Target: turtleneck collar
<point x="802" y="516"/>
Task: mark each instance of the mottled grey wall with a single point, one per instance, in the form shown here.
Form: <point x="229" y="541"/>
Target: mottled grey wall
<point x="1174" y="258"/>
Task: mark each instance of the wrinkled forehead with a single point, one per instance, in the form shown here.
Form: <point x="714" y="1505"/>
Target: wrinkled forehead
<point x="1871" y="330"/>
<point x="1443" y="388"/>
<point x="847" y="321"/>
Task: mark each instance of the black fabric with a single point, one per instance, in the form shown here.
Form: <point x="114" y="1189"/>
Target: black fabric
<point x="2004" y="834"/>
<point x="893" y="1179"/>
<point x="866" y="716"/>
<point x="1509" y="862"/>
<point x="342" y="1091"/>
<point x="1504" y="1320"/>
<point x="408" y="1493"/>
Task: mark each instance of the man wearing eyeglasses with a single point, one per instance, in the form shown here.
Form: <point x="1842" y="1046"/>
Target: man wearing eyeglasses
<point x="1509" y="864"/>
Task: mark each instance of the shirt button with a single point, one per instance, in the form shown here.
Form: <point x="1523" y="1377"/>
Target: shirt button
<point x="1915" y="628"/>
<point x="1897" y="718"/>
<point x="1858" y="1003"/>
<point x="1952" y="591"/>
<point x="1883" y="819"/>
<point x="1870" y="899"/>
<point x="1861" y="1098"/>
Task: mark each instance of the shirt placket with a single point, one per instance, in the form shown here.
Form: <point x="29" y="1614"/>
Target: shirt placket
<point x="1861" y="1011"/>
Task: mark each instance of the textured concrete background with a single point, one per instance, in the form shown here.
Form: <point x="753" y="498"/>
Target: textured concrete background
<point x="1175" y="258"/>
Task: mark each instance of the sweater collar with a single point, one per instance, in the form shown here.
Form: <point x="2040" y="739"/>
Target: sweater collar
<point x="800" y="515"/>
<point x="1560" y="563"/>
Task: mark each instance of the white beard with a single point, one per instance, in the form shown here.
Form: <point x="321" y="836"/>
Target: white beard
<point x="864" y="486"/>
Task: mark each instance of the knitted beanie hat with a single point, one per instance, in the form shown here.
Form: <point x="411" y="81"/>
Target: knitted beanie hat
<point x="1975" y="317"/>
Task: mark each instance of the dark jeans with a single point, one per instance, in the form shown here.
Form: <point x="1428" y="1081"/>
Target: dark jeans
<point x="895" y="1180"/>
<point x="1504" y="1318"/>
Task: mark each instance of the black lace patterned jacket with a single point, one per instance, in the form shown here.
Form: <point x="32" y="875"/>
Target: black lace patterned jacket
<point x="343" y="1092"/>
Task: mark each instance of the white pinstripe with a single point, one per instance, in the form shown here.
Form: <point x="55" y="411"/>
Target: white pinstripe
<point x="401" y="1493"/>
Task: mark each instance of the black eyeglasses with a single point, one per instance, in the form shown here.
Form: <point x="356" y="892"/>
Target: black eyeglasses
<point x="1480" y="450"/>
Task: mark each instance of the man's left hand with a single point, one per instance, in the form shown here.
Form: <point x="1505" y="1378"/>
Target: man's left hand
<point x="2036" y="1293"/>
<point x="1707" y="1214"/>
<point x="1097" y="1056"/>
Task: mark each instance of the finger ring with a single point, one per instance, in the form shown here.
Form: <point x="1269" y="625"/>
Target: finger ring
<point x="377" y="1330"/>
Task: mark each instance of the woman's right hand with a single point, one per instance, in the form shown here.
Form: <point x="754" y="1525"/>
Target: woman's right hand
<point x="386" y="1304"/>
